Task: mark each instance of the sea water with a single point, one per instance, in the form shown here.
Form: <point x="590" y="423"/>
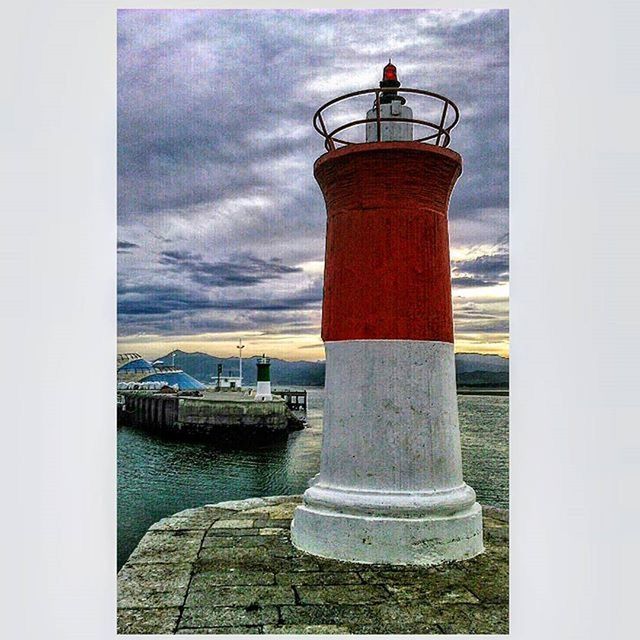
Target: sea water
<point x="158" y="477"/>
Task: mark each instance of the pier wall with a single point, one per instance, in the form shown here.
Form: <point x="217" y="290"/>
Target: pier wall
<point x="208" y="418"/>
<point x="200" y="417"/>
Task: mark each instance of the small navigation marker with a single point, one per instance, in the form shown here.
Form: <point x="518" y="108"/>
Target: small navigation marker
<point x="263" y="390"/>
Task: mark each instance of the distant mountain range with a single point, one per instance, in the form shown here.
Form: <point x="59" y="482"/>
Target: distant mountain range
<point x="478" y="370"/>
<point x="472" y="369"/>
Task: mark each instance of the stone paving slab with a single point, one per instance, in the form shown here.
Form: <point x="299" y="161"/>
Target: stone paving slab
<point x="230" y="569"/>
<point x="238" y="630"/>
<point x="318" y="629"/>
<point x="167" y="547"/>
<point x="143" y="621"/>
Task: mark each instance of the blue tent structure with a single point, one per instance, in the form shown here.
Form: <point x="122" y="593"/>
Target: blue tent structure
<point x="184" y="381"/>
<point x="136" y="366"/>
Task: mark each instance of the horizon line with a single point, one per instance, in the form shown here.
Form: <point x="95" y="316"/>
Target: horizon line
<point x="235" y="357"/>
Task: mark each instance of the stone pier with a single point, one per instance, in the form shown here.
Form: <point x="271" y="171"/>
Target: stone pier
<point x="212" y="416"/>
<point x="230" y="568"/>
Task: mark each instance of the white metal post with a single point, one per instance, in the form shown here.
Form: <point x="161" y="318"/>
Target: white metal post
<point x="240" y="347"/>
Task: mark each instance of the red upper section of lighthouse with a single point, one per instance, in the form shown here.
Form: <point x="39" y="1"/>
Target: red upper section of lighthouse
<point x="387" y="272"/>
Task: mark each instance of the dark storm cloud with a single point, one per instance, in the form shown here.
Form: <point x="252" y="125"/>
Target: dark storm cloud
<point x="126" y="247"/>
<point x="142" y="299"/>
<point x="242" y="270"/>
<point x="216" y="148"/>
<point x="145" y="300"/>
<point x="483" y="271"/>
<point x="183" y="322"/>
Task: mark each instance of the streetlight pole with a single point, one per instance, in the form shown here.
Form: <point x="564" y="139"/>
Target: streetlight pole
<point x="240" y="347"/>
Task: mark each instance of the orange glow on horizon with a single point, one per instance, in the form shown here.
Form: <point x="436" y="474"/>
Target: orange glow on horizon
<point x="292" y="347"/>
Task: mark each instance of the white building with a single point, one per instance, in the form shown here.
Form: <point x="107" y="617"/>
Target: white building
<point x="226" y="381"/>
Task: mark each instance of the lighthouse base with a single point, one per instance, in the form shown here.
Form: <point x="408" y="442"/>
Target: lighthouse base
<point x="425" y="541"/>
<point x="390" y="488"/>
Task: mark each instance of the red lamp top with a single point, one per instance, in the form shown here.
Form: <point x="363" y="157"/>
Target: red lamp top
<point x="390" y="72"/>
<point x="390" y="82"/>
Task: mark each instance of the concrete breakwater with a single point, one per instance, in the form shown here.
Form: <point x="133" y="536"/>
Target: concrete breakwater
<point x="220" y="416"/>
<point x="230" y="568"/>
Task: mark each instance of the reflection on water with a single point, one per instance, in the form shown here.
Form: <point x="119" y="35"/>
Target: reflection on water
<point x="158" y="477"/>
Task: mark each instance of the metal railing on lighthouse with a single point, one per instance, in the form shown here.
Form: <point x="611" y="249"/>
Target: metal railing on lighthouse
<point x="437" y="132"/>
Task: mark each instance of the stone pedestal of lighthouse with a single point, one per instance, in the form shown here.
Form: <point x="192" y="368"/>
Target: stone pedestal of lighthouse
<point x="390" y="487"/>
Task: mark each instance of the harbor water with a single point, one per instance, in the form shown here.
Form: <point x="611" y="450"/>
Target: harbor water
<point x="158" y="477"/>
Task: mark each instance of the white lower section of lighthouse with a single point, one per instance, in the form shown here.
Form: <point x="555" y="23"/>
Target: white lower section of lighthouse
<point x="390" y="487"/>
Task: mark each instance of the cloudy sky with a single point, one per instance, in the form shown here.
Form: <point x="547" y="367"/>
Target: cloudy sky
<point x="220" y="222"/>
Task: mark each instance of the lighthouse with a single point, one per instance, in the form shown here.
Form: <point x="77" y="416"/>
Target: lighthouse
<point x="390" y="488"/>
<point x="263" y="386"/>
